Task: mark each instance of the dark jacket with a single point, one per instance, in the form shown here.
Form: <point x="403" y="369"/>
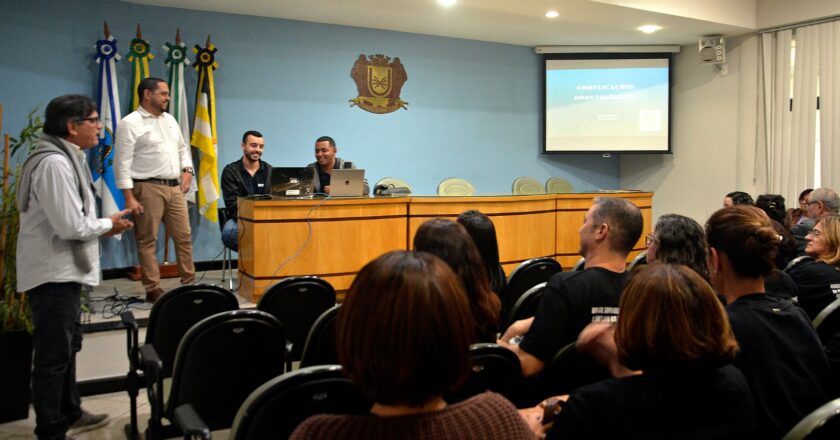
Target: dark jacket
<point x="233" y="184"/>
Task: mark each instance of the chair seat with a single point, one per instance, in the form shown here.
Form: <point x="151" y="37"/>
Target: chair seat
<point x="557" y="185"/>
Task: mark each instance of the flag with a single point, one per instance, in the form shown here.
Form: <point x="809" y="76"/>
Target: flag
<point x="176" y="59"/>
<point x="101" y="158"/>
<point x="139" y="55"/>
<point x="204" y="132"/>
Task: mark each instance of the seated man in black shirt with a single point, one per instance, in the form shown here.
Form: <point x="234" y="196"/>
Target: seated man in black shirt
<point x="243" y="177"/>
<point x="611" y="228"/>
<point x="326" y="161"/>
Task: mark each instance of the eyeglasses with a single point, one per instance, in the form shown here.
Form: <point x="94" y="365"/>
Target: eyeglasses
<point x="649" y="239"/>
<point x="809" y="203"/>
<point x="94" y="121"/>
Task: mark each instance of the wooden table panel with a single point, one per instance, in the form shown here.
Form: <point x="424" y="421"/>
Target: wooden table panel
<point x="347" y="233"/>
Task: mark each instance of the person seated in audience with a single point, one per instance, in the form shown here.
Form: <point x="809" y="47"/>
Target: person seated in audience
<point x="483" y="233"/>
<point x="800" y="214"/>
<point x="821" y="202"/>
<point x="673" y="330"/>
<point x="818" y="279"/>
<point x="781" y="355"/>
<point x="571" y="300"/>
<point x="737" y="198"/>
<point x="774" y="206"/>
<point x="450" y="242"/>
<point x="678" y="239"/>
<point x="403" y="336"/>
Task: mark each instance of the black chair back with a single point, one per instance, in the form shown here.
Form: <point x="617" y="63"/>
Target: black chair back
<point x="579" y="265"/>
<point x="526" y="306"/>
<point x="823" y="423"/>
<point x="297" y="302"/>
<point x="222" y="359"/>
<point x="178" y="310"/>
<point x="277" y="407"/>
<point x="525" y="276"/>
<point x="320" y="348"/>
<point x="827" y="322"/>
<point x="492" y="368"/>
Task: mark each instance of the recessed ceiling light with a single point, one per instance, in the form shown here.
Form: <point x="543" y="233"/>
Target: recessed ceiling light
<point x="649" y="28"/>
<point x="447" y="3"/>
<point x="552" y="14"/>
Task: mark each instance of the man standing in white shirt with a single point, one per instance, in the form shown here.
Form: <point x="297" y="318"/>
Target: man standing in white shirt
<point x="153" y="168"/>
<point x="57" y="253"/>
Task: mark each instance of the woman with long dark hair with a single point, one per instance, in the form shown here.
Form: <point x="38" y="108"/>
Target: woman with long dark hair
<point x="483" y="233"/>
<point x="450" y="242"/>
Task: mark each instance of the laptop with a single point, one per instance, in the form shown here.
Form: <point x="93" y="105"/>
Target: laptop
<point x="347" y="183"/>
<point x="292" y="182"/>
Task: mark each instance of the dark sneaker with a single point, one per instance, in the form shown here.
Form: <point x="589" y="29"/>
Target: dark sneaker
<point x="87" y="422"/>
<point x="154" y="294"/>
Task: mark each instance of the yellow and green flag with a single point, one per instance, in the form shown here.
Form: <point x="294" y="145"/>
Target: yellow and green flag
<point x="139" y="55"/>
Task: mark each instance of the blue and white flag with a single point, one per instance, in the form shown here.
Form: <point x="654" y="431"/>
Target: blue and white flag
<point x="101" y="158"/>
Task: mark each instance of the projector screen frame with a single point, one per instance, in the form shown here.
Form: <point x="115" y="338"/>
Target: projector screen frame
<point x="546" y="57"/>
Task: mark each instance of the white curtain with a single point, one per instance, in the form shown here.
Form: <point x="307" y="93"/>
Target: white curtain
<point x="774" y="110"/>
<point x="829" y="72"/>
<point x="787" y="130"/>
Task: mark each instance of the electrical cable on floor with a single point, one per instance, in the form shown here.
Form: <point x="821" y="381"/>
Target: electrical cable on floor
<point x="113" y="305"/>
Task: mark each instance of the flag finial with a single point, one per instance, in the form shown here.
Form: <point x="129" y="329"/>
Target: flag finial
<point x="139" y="32"/>
<point x="208" y="41"/>
<point x="177" y="35"/>
<point x="107" y="31"/>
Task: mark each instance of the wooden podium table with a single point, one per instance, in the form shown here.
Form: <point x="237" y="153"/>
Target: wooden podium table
<point x="335" y="238"/>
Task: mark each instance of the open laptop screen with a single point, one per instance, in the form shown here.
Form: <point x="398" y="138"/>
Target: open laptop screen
<point x="292" y="182"/>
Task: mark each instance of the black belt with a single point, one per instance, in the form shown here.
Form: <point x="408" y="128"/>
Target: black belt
<point x="167" y="182"/>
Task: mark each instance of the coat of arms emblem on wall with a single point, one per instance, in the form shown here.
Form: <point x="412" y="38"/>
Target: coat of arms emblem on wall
<point x="378" y="81"/>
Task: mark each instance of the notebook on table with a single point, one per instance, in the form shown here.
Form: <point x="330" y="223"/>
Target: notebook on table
<point x="347" y="183"/>
<point x="292" y="182"/>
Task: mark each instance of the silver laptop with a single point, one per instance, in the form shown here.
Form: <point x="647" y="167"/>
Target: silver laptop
<point x="347" y="183"/>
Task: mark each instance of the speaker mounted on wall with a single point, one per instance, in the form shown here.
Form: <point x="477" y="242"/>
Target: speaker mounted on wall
<point x="712" y="50"/>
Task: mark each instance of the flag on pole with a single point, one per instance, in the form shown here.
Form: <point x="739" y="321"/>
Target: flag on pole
<point x="204" y="131"/>
<point x="139" y="55"/>
<point x="101" y="158"/>
<point x="176" y="59"/>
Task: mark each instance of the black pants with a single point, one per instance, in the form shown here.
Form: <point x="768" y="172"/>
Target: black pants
<point x="56" y="316"/>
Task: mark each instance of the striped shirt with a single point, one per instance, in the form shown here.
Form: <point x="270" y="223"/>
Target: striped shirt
<point x="53" y="220"/>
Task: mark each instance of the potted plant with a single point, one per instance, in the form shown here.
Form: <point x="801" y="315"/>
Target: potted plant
<point x="15" y="320"/>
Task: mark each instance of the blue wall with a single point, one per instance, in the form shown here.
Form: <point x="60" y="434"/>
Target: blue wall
<point x="474" y="108"/>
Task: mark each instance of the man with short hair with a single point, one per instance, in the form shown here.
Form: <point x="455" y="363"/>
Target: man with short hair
<point x="820" y="203"/>
<point x="326" y="161"/>
<point x="58" y="253"/>
<point x="571" y="300"/>
<point x="150" y="158"/>
<point x="243" y="177"/>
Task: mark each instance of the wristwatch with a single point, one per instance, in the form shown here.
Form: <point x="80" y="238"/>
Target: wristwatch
<point x="189" y="170"/>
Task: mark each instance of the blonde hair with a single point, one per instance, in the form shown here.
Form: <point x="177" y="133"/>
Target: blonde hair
<point x="831" y="234"/>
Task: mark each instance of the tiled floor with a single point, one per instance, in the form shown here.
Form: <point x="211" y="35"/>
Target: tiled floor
<point x="104" y="355"/>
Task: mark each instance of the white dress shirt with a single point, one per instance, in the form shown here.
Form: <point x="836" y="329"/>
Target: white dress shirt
<point x="149" y="147"/>
<point x="52" y="223"/>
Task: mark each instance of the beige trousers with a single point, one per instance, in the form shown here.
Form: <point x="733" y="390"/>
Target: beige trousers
<point x="166" y="204"/>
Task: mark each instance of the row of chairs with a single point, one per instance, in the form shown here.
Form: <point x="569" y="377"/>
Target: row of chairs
<point x="458" y="187"/>
<point x="204" y="359"/>
<point x="289" y="308"/>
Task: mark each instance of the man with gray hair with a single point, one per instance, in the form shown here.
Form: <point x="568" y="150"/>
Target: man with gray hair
<point x="820" y="203"/>
<point x="572" y="300"/>
<point x="58" y="254"/>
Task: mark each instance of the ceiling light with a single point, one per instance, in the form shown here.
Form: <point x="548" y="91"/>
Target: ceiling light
<point x="552" y="14"/>
<point x="447" y="3"/>
<point x="649" y="28"/>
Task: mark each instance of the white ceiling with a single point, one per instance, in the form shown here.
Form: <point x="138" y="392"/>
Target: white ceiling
<point x="519" y="22"/>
